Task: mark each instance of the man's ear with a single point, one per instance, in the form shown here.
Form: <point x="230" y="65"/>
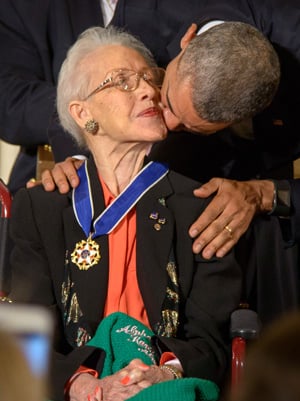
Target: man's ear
<point x="79" y="113"/>
<point x="188" y="36"/>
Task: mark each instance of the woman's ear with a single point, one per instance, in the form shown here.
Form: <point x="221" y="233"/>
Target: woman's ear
<point x="79" y="113"/>
<point x="188" y="36"/>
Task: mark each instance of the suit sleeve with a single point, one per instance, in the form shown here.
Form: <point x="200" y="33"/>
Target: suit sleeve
<point x="26" y="100"/>
<point x="27" y="87"/>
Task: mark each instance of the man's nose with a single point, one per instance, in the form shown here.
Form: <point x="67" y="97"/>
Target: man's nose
<point x="172" y="122"/>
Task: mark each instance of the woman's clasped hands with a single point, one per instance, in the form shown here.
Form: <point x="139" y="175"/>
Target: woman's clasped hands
<point x="120" y="386"/>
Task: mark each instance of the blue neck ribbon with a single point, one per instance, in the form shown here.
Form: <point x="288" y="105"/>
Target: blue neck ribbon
<point x="83" y="206"/>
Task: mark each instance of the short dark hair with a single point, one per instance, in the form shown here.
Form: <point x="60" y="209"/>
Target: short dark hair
<point x="234" y="72"/>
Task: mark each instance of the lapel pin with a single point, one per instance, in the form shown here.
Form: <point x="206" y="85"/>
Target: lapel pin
<point x="159" y="221"/>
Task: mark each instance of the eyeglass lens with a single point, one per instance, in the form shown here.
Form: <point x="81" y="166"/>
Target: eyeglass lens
<point x="128" y="80"/>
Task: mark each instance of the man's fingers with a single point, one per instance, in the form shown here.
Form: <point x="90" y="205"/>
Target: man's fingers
<point x="227" y="216"/>
<point x="209" y="217"/>
<point x="222" y="243"/>
<point x="221" y="235"/>
<point x="47" y="180"/>
<point x="63" y="175"/>
<point x="209" y="188"/>
<point x="32" y="183"/>
<point x="53" y="178"/>
<point x="222" y="232"/>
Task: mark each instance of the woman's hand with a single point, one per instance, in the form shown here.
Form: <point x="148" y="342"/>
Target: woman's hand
<point x="144" y="376"/>
<point x="118" y="387"/>
<point x="86" y="388"/>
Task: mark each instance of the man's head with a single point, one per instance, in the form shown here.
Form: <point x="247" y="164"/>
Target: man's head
<point x="227" y="74"/>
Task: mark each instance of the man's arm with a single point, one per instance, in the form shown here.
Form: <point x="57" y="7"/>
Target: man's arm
<point x="234" y="206"/>
<point x="28" y="70"/>
<point x="26" y="100"/>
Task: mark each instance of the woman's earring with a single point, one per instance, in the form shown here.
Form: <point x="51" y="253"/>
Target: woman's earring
<point x="91" y="126"/>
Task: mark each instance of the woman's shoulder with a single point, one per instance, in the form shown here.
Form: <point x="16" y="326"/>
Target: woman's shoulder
<point x="38" y="198"/>
<point x="182" y="183"/>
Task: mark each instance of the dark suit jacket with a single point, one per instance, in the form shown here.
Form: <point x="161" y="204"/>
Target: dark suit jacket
<point x="45" y="231"/>
<point x="34" y="38"/>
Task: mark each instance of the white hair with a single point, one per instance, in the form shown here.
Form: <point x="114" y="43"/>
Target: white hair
<point x="73" y="82"/>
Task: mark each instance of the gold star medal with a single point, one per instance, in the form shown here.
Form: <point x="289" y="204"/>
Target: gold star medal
<point x="86" y="254"/>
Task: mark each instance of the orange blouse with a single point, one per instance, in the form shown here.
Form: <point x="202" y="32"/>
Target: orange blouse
<point x="123" y="293"/>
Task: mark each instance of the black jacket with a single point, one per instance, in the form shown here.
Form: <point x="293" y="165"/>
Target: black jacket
<point x="46" y="231"/>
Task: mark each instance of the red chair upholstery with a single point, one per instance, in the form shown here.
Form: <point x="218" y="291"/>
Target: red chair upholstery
<point x="5" y="214"/>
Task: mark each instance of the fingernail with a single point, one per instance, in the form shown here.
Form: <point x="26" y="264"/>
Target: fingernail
<point x="97" y="389"/>
<point x="125" y="380"/>
<point x="220" y="254"/>
<point x="143" y="365"/>
<point x="194" y="233"/>
<point x="197" y="248"/>
<point x="207" y="254"/>
<point x="97" y="393"/>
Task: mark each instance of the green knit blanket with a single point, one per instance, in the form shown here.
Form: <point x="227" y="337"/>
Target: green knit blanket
<point x="124" y="338"/>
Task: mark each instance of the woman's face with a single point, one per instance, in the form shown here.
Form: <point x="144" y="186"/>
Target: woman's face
<point x="124" y="116"/>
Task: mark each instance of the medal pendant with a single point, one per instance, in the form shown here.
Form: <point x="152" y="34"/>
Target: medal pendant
<point x="86" y="254"/>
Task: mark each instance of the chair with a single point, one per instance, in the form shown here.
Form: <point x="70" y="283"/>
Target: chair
<point x="244" y="326"/>
<point x="5" y="214"/>
<point x="45" y="160"/>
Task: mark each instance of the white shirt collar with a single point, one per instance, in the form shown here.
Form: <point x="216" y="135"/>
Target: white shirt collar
<point x="209" y="25"/>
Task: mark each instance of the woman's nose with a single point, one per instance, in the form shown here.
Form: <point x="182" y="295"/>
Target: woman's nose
<point x="148" y="90"/>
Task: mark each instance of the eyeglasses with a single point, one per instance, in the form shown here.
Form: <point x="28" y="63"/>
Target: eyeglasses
<point x="128" y="80"/>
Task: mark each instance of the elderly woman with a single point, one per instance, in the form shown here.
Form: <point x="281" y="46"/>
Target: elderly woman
<point x="115" y="254"/>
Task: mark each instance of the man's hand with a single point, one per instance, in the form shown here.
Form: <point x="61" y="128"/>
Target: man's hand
<point x="229" y="214"/>
<point x="63" y="175"/>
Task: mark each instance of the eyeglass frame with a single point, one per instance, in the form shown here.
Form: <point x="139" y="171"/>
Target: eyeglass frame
<point x="139" y="75"/>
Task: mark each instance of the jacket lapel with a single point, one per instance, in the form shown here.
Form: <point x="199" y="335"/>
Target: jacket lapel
<point x="90" y="285"/>
<point x="154" y="243"/>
